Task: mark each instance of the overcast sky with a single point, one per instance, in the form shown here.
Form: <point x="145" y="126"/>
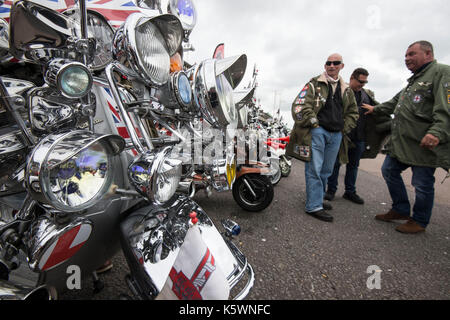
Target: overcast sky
<point x="290" y="40"/>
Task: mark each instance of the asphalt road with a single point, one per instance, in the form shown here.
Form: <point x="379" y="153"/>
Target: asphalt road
<point x="297" y="257"/>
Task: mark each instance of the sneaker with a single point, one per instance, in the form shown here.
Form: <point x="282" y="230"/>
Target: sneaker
<point x="410" y="227"/>
<point x="106" y="267"/>
<point x="329" y="196"/>
<point x="353" y="197"/>
<point x="391" y="216"/>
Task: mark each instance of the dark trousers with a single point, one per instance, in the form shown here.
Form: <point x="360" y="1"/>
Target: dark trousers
<point x="422" y="180"/>
<point x="351" y="172"/>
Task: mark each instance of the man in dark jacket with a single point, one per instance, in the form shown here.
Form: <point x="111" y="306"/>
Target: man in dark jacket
<point x="324" y="112"/>
<point x="358" y="80"/>
<point x="419" y="137"/>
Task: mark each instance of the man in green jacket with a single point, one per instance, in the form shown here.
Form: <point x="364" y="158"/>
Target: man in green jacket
<point x="324" y="112"/>
<point x="419" y="136"/>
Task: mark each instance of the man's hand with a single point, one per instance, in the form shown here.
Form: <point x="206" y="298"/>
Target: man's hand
<point x="368" y="107"/>
<point x="429" y="142"/>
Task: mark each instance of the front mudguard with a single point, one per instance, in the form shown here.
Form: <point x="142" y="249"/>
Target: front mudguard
<point x="151" y="238"/>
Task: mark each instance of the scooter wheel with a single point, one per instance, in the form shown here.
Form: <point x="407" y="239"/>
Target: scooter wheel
<point x="253" y="192"/>
<point x="285" y="168"/>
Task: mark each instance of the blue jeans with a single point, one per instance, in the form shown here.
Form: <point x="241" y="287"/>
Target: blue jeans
<point x="351" y="171"/>
<point x="324" y="149"/>
<point x="423" y="182"/>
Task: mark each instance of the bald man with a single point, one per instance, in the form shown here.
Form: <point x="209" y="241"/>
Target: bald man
<point x="324" y="112"/>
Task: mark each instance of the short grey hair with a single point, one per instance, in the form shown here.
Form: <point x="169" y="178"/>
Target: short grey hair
<point x="424" y="45"/>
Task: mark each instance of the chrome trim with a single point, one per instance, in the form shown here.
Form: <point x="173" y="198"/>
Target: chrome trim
<point x="61" y="147"/>
<point x="55" y="71"/>
<point x="154" y="235"/>
<point x="4" y="40"/>
<point x="143" y="173"/>
<point x="210" y="94"/>
<point x="110" y="69"/>
<point x="7" y="104"/>
<point x="49" y="111"/>
<point x="45" y="233"/>
<point x="11" y="143"/>
<point x="39" y="34"/>
<point x="13" y="291"/>
<point x="125" y="46"/>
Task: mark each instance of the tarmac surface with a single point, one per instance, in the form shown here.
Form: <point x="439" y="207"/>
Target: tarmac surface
<point x="297" y="257"/>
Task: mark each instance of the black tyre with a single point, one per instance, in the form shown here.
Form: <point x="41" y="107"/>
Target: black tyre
<point x="262" y="188"/>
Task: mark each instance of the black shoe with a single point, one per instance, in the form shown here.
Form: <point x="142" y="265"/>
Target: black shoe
<point x="329" y="196"/>
<point x="353" y="197"/>
<point x="321" y="215"/>
<point x="327" y="206"/>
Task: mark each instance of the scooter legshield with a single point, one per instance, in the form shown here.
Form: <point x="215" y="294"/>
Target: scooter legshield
<point x="152" y="238"/>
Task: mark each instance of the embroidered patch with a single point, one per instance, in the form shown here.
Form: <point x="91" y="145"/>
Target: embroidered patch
<point x="448" y="99"/>
<point x="305" y="151"/>
<point x="304" y="92"/>
<point x="298" y="109"/>
<point x="417" y="98"/>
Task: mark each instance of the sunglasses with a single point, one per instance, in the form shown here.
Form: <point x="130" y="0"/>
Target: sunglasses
<point x="361" y="81"/>
<point x="334" y="63"/>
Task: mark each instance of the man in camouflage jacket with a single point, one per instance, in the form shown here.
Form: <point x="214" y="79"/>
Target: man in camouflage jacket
<point x="324" y="112"/>
<point x="419" y="136"/>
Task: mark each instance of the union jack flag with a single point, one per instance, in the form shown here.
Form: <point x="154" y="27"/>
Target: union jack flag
<point x="115" y="11"/>
<point x="119" y="123"/>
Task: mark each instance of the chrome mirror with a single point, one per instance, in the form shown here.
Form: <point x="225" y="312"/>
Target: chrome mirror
<point x="38" y="34"/>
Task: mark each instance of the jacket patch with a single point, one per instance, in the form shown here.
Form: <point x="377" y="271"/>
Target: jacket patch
<point x="417" y="98"/>
<point x="305" y="151"/>
<point x="299" y="101"/>
<point x="304" y="92"/>
<point x="448" y="99"/>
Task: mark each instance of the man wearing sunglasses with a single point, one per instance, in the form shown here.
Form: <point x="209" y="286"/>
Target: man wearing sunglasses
<point x="324" y="111"/>
<point x="358" y="80"/>
<point x="420" y="137"/>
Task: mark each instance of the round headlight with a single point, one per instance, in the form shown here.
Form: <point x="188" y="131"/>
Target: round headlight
<point x="185" y="11"/>
<point x="73" y="79"/>
<point x="156" y="175"/>
<point x="182" y="88"/>
<point x="214" y="83"/>
<point x="102" y="32"/>
<point x="72" y="171"/>
<point x="147" y="45"/>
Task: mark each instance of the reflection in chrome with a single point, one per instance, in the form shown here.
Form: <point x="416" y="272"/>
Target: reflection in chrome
<point x="156" y="233"/>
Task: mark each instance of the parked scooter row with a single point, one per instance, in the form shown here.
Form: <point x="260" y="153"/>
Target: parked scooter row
<point x="85" y="171"/>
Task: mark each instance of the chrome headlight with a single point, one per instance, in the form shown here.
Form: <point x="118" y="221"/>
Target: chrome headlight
<point x="182" y="88"/>
<point x="185" y="11"/>
<point x="147" y="45"/>
<point x="102" y="32"/>
<point x="156" y="175"/>
<point x="73" y="79"/>
<point x="72" y="171"/>
<point x="214" y="83"/>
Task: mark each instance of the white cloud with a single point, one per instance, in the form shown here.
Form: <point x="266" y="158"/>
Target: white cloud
<point x="289" y="40"/>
